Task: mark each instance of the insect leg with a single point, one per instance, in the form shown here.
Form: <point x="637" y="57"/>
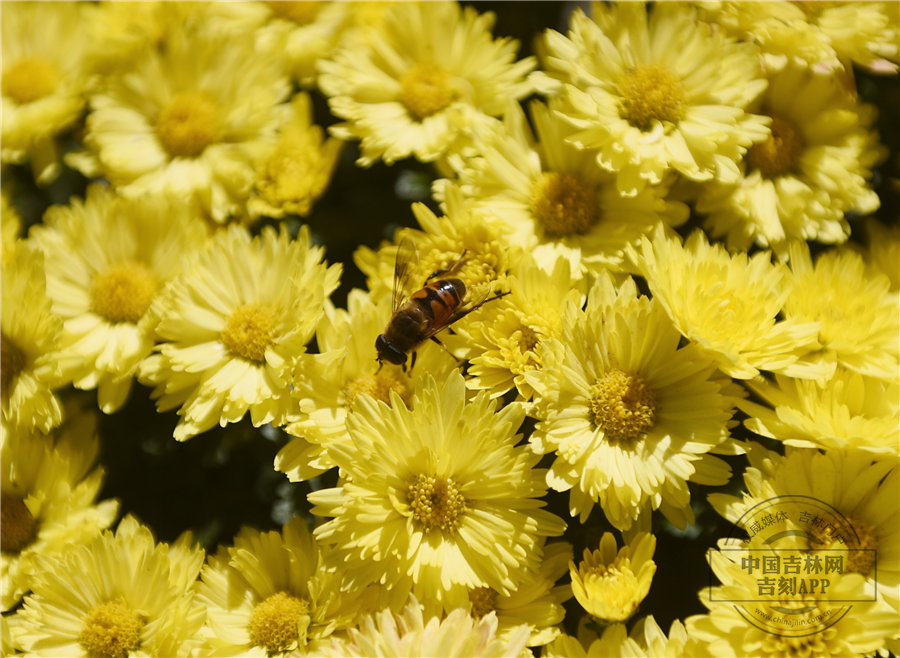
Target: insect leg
<point x="462" y="314"/>
<point x="437" y="340"/>
<point x="452" y="268"/>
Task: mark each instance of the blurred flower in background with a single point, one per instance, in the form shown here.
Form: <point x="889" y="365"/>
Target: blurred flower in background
<point x="44" y="82"/>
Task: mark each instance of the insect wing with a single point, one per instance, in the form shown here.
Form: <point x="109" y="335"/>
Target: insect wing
<point x="407" y="262"/>
<point x="468" y="305"/>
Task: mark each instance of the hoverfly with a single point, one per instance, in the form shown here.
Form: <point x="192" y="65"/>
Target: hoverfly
<point x="437" y="305"/>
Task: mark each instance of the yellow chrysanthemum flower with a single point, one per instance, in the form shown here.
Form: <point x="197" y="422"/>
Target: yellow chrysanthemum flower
<point x="537" y="601"/>
<point x="611" y="585"/>
<point x="119" y="32"/>
<point x="847" y="412"/>
<point x="429" y="498"/>
<point x="502" y="340"/>
<point x="653" y="93"/>
<point x="884" y="251"/>
<point x="728" y="305"/>
<point x="629" y="415"/>
<point x="297" y="169"/>
<point x="43" y="80"/>
<point x="234" y="324"/>
<point x="193" y="118"/>
<point x="428" y="73"/>
<point x="825" y="36"/>
<point x="270" y="594"/>
<point x="646" y="640"/>
<point x="119" y="595"/>
<point x="107" y="259"/>
<point x="813" y="168"/>
<point x="305" y="32"/>
<point x="552" y="198"/>
<point x="862" y="490"/>
<point x="30" y="338"/>
<point x="823" y="623"/>
<point x="48" y="490"/>
<point x="326" y="384"/>
<point x="409" y="633"/>
<point x="858" y="313"/>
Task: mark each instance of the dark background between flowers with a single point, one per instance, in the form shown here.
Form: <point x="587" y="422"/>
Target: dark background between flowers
<point x="223" y="479"/>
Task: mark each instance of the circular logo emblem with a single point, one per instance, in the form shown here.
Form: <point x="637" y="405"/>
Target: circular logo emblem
<point x="795" y="549"/>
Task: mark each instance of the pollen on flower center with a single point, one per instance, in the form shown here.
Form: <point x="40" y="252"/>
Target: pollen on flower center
<point x="425" y="90"/>
<point x="276" y="622"/>
<point x="651" y="93"/>
<point x="123" y="292"/>
<point x="189" y="124"/>
<point x="302" y="13"/>
<point x="16" y="524"/>
<point x="563" y="204"/>
<point x="623" y="406"/>
<point x="777" y="155"/>
<point x="859" y="545"/>
<point x="250" y="331"/>
<point x="483" y="599"/>
<point x="379" y="386"/>
<point x="111" y="629"/>
<point x="29" y="80"/>
<point x="528" y="339"/>
<point x="12" y="360"/>
<point x="436" y="502"/>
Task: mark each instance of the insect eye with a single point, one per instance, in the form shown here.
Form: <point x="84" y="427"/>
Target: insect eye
<point x="389" y="353"/>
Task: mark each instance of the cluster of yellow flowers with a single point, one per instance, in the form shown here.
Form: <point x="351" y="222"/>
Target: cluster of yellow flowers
<point x="626" y="364"/>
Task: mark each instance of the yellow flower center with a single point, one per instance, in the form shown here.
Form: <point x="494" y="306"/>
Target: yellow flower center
<point x="518" y="351"/>
<point x="860" y="556"/>
<point x="479" y="268"/>
<point x="379" y="386"/>
<point x="111" y="629"/>
<point x="817" y="640"/>
<point x="189" y="124"/>
<point x="250" y="331"/>
<point x="278" y="623"/>
<point x="623" y="406"/>
<point x="123" y="292"/>
<point x="563" y="204"/>
<point x="651" y="93"/>
<point x="16" y="524"/>
<point x="295" y="172"/>
<point x="425" y="90"/>
<point x="12" y="362"/>
<point x="301" y="13"/>
<point x="777" y="155"/>
<point x="613" y="587"/>
<point x="436" y="502"/>
<point x="480" y="275"/>
<point x="483" y="599"/>
<point x="528" y="339"/>
<point x="29" y="80"/>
